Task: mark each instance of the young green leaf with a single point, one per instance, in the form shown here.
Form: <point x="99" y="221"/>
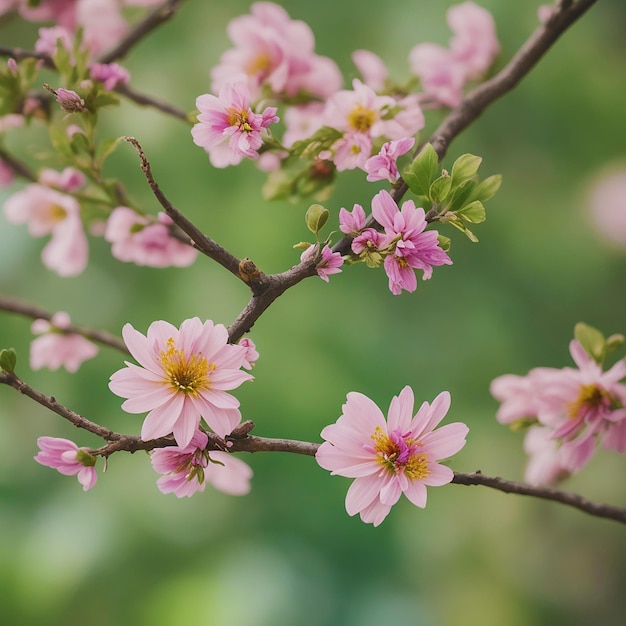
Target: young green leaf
<point x="422" y="171"/>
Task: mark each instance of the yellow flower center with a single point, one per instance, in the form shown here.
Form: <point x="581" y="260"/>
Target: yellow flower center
<point x="259" y="65"/>
<point x="590" y="397"/>
<point x="361" y="119"/>
<point x="397" y="453"/>
<point x="57" y="213"/>
<point x="188" y="375"/>
<point x="239" y="118"/>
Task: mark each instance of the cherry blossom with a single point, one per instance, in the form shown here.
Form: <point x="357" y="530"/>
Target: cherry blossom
<point x="227" y="127"/>
<point x="183" y="376"/>
<point x="55" y="347"/>
<point x="67" y="458"/>
<point x="389" y="457"/>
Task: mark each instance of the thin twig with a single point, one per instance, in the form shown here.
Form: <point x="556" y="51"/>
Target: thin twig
<point x="151" y="101"/>
<point x="19" y="167"/>
<point x="606" y="511"/>
<point x="13" y="305"/>
<point x="153" y="20"/>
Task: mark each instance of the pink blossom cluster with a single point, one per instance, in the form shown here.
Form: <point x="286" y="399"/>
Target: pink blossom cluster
<point x="102" y="21"/>
<point x="136" y="239"/>
<point x="49" y="208"/>
<point x="57" y="347"/>
<point x="575" y="410"/>
<point x="183" y="376"/>
<point x="50" y="211"/>
<point x="187" y="469"/>
<point x="275" y="56"/>
<point x="389" y="457"/>
<point x="403" y="247"/>
<point x="444" y="72"/>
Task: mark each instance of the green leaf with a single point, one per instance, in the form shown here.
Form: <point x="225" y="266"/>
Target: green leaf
<point x="439" y="189"/>
<point x="614" y="342"/>
<point x="592" y="340"/>
<point x="316" y="216"/>
<point x="462" y="195"/>
<point x="8" y="359"/>
<point x="464" y="168"/>
<point x="444" y="242"/>
<point x="422" y="171"/>
<point x="474" y="212"/>
<point x="61" y="142"/>
<point x="487" y="188"/>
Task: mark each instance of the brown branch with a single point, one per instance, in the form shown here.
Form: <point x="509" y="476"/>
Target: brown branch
<point x="20" y="168"/>
<point x="242" y="269"/>
<point x="19" y="54"/>
<point x="13" y="305"/>
<point x="240" y="441"/>
<point x="153" y="20"/>
<point x="9" y="378"/>
<point x="606" y="511"/>
<point x="145" y="100"/>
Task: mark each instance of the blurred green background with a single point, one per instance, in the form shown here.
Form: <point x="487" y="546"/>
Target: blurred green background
<point x="288" y="554"/>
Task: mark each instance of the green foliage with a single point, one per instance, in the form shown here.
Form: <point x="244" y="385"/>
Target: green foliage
<point x="315" y="217"/>
<point x="8" y="359"/>
<point x="594" y="342"/>
<point x="456" y="198"/>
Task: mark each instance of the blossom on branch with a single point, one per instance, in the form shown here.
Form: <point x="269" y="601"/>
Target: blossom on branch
<point x="183" y="376"/>
<point x="276" y="54"/>
<point x="414" y="247"/>
<point x="579" y="408"/>
<point x="389" y="457"/>
<point x="136" y="239"/>
<point x="330" y="262"/>
<point x="382" y="166"/>
<point x="227" y="127"/>
<point x="57" y="348"/>
<point x="47" y="211"/>
<point x="188" y="469"/>
<point x="67" y="458"/>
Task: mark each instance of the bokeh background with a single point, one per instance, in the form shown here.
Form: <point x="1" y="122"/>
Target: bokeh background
<point x="288" y="554"/>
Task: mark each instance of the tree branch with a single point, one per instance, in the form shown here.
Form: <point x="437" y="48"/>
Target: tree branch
<point x="153" y="20"/>
<point x="13" y="305"/>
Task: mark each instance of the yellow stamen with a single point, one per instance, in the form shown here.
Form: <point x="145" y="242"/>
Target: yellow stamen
<point x="589" y="397"/>
<point x="57" y="213"/>
<point x="188" y="375"/>
<point x="361" y="119"/>
<point x="414" y="467"/>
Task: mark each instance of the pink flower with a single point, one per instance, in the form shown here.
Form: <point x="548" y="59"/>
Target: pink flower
<point x="474" y="44"/>
<point x="383" y="165"/>
<point x="67" y="458"/>
<point x="580" y="403"/>
<point x="56" y="348"/>
<point x="187" y="470"/>
<point x="415" y="248"/>
<point x="358" y="110"/>
<point x="251" y="354"/>
<point x="352" y="151"/>
<point x="48" y="37"/>
<point x="352" y="222"/>
<point x="103" y="24"/>
<point x="371" y="68"/>
<point x="443" y="72"/>
<point x="69" y="100"/>
<point x="607" y="205"/>
<point x="184" y="376"/>
<point x="135" y="239"/>
<point x="227" y="128"/>
<point x="390" y="457"/>
<point x="111" y="74"/>
<point x="329" y="263"/>
<point x="441" y="78"/>
<point x="547" y="463"/>
<point x="47" y="211"/>
<point x="273" y="51"/>
<point x="302" y="121"/>
<point x="69" y="180"/>
<point x="577" y="407"/>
